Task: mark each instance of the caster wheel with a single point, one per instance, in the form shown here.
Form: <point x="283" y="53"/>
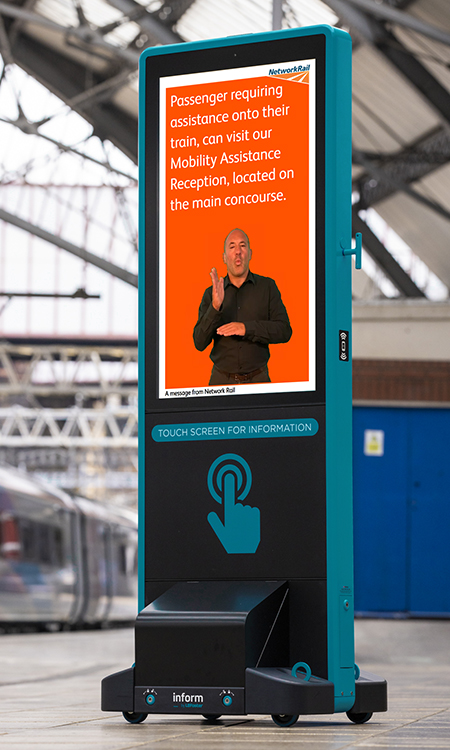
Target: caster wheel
<point x="211" y="717"/>
<point x="133" y="718"/>
<point x="284" y="720"/>
<point x="359" y="718"/>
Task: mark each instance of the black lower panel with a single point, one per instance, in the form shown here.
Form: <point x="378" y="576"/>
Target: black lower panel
<point x="308" y="625"/>
<point x="206" y="633"/>
<point x="306" y="610"/>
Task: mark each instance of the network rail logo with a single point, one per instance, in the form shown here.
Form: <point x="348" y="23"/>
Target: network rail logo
<point x="296" y="73"/>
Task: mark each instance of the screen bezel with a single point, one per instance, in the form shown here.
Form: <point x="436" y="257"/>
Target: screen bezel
<point x="204" y="60"/>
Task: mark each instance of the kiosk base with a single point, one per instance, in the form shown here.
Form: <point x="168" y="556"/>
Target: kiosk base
<point x="210" y="648"/>
<point x="268" y="691"/>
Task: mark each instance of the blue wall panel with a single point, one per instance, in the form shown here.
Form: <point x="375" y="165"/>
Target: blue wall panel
<point x="430" y="512"/>
<point x="380" y="527"/>
<point x="402" y="512"/>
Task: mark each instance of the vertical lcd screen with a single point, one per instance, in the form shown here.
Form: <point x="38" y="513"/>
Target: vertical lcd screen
<point x="237" y="152"/>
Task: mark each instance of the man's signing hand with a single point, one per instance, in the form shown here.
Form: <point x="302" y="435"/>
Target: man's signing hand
<point x="232" y="329"/>
<point x="217" y="289"/>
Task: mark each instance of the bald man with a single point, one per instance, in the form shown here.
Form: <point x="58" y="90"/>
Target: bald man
<point x="242" y="314"/>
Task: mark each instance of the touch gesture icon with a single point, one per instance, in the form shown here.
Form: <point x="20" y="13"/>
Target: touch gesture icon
<point x="229" y="481"/>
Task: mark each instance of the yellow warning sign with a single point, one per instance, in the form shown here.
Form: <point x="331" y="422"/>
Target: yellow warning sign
<point x="373" y="442"/>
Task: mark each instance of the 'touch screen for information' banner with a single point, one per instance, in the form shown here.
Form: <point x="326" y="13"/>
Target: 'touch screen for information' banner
<point x="237" y="151"/>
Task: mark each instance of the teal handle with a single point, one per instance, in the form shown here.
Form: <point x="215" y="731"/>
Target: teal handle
<point x="356" y="251"/>
<point x="301" y="665"/>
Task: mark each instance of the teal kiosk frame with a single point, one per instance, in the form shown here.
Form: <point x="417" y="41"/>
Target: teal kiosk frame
<point x="267" y="623"/>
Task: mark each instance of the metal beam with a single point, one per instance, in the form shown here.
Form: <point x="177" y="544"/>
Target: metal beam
<point x="103" y="90"/>
<point x="69" y="428"/>
<point x="384" y="259"/>
<point x="436" y="95"/>
<point x="161" y="33"/>
<point x="32" y="128"/>
<point x="379" y="173"/>
<point x="84" y="33"/>
<point x="60" y="370"/>
<point x="416" y="73"/>
<point x="412" y="163"/>
<point x="354" y="18"/>
<point x="65" y="78"/>
<point x="277" y="15"/>
<point x="88" y="257"/>
<point x="172" y="10"/>
<point x="5" y="45"/>
<point x="387" y="13"/>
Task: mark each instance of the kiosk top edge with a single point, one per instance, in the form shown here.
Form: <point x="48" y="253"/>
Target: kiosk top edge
<point x="330" y="32"/>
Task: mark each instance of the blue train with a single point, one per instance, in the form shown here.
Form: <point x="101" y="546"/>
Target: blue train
<point x="64" y="561"/>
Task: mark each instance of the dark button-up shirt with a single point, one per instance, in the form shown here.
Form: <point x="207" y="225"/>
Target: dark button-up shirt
<point x="257" y="304"/>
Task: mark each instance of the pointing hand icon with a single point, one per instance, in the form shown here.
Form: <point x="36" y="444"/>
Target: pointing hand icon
<point x="240" y="531"/>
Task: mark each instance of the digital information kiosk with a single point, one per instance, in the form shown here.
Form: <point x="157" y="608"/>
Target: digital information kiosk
<point x="245" y="474"/>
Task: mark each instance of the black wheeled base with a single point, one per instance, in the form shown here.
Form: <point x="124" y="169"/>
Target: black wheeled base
<point x="207" y="648"/>
<point x="271" y="691"/>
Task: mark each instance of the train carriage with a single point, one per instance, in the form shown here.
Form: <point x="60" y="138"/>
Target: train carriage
<point x="63" y="560"/>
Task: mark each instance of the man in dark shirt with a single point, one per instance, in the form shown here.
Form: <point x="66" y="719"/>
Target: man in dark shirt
<point x="242" y="313"/>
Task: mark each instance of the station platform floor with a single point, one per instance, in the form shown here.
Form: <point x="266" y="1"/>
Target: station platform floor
<point x="50" y="697"/>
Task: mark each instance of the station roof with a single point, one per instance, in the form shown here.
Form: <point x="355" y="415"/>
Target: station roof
<point x="86" y="52"/>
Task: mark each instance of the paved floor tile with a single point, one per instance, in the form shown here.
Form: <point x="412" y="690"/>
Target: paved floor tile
<point x="50" y="697"/>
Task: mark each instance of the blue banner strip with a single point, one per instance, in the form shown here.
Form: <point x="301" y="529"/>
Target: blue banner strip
<point x="256" y="428"/>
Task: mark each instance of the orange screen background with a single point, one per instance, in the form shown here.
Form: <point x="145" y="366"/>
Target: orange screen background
<point x="278" y="231"/>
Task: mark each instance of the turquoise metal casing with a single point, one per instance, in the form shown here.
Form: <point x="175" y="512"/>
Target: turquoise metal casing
<point x="338" y="312"/>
